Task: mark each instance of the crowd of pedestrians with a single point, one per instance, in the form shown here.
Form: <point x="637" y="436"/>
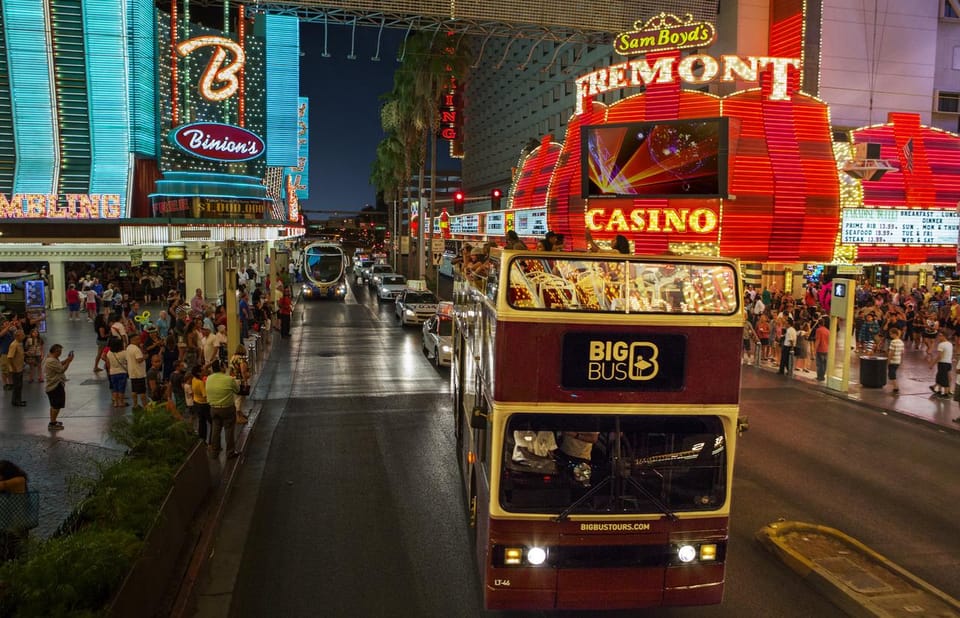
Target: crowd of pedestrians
<point x="150" y="356"/>
<point x="887" y="321"/>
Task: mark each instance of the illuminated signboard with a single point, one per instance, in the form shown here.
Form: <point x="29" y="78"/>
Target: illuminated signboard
<point x="437" y="229"/>
<point x="899" y="226"/>
<point x="666" y="220"/>
<point x="217" y="142"/>
<point x="664" y="31"/>
<point x="67" y="206"/>
<point x="470" y="224"/>
<point x="531" y="222"/>
<point x="455" y="225"/>
<point x="494" y="223"/>
<point x="299" y="176"/>
<point x="638" y="73"/>
<point x="6" y="288"/>
<point x="174" y="253"/>
<point x="211" y="87"/>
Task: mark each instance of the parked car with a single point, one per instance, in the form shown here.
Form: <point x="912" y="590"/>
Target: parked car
<point x="416" y="306"/>
<point x="390" y="286"/>
<point x="376" y="271"/>
<point x="438" y="334"/>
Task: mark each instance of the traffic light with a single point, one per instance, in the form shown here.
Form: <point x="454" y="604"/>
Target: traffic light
<point x="458" y="198"/>
<point x="495" y="196"/>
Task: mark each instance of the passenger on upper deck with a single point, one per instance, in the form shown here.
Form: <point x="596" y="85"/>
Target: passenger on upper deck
<point x="620" y="245"/>
<point x="512" y="241"/>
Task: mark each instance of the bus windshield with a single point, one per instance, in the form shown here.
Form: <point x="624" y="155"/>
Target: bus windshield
<point x="574" y="464"/>
<point x="618" y="284"/>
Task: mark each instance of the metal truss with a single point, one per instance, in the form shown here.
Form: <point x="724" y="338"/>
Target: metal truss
<point x="591" y="22"/>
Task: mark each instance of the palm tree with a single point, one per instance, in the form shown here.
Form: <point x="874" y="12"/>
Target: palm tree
<point x="430" y="61"/>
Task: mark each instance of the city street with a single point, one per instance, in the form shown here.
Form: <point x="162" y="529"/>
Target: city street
<point x="349" y="501"/>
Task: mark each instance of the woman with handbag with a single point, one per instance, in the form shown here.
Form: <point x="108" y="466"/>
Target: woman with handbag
<point x="240" y="370"/>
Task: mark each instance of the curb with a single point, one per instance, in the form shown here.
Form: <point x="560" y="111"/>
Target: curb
<point x="183" y="605"/>
<point x="842" y="396"/>
<point x="839" y="583"/>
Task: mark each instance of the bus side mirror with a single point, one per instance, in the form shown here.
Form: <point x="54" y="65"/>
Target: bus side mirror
<point x="743" y="424"/>
<point x="478" y="420"/>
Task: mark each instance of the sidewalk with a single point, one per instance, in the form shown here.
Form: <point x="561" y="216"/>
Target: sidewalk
<point x="914" y="400"/>
<point x="51" y="458"/>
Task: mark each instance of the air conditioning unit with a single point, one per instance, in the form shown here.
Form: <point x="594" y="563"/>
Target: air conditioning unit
<point x="946" y="102"/>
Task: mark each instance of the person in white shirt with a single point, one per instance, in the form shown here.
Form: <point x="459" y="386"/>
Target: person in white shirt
<point x="894" y="358"/>
<point x="944" y="362"/>
<point x="789" y="343"/>
<point x="209" y="343"/>
<point x="137" y="370"/>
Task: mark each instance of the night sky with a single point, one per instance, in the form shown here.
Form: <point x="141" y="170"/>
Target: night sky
<point x="345" y="112"/>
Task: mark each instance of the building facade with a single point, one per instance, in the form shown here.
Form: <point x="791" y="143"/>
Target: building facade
<point x="140" y="126"/>
<point x="851" y="160"/>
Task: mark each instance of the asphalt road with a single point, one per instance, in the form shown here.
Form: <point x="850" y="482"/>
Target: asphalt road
<point x="349" y="503"/>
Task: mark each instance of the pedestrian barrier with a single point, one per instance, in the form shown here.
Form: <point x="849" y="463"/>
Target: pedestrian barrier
<point x="19" y="512"/>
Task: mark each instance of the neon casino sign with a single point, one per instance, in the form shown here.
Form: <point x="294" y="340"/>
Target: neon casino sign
<point x="669" y="32"/>
<point x="51" y="206"/>
<point x="729" y="68"/>
<point x="219" y="81"/>
<point x="666" y="220"/>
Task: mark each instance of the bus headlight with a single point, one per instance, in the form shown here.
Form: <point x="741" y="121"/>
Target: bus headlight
<point x="524" y="556"/>
<point x="409" y="313"/>
<point x="686" y="553"/>
<point x="446" y="349"/>
<point x="536" y="556"/>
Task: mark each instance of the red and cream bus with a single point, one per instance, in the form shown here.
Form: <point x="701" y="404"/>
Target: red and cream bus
<point x="596" y="398"/>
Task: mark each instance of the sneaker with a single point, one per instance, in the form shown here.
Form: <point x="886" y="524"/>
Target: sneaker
<point x="233" y="455"/>
<point x="957" y="420"/>
<point x="54" y="426"/>
<point x="934" y="389"/>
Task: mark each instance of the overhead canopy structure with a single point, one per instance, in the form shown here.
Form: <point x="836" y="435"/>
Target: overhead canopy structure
<point x="582" y="21"/>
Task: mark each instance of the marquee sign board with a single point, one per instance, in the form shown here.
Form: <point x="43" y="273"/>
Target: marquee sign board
<point x="662" y="32"/>
<point x="899" y="226"/>
<point x="215" y="141"/>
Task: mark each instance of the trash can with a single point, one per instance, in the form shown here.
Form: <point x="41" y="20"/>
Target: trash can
<point x="873" y="371"/>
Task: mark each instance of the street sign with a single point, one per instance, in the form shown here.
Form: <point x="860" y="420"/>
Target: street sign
<point x="136" y="257"/>
<point x="438" y="245"/>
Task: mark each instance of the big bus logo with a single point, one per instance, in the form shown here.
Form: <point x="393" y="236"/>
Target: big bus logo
<point x="641" y="361"/>
<point x="619" y="360"/>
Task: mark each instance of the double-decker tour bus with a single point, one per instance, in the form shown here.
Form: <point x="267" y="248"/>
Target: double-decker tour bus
<point x="596" y="398"/>
<point x="324" y="266"/>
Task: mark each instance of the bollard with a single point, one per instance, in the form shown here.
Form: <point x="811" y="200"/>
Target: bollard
<point x="757" y="351"/>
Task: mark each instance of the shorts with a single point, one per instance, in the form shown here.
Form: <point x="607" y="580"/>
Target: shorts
<point x="765" y="341"/>
<point x="73" y="307"/>
<point x="138" y="386"/>
<point x="927" y="335"/>
<point x="5" y="363"/>
<point x="57" y="397"/>
<point x="91" y="306"/>
<point x="118" y="382"/>
<point x="943" y="374"/>
<point x="892" y="371"/>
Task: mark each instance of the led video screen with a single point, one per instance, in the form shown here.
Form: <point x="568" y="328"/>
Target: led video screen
<point x="672" y="158"/>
